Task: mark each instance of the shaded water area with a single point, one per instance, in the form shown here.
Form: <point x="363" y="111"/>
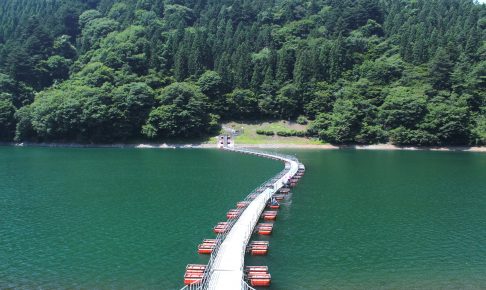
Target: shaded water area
<point x="131" y="219"/>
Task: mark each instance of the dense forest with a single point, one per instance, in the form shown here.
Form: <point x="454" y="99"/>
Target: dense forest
<point x="362" y="71"/>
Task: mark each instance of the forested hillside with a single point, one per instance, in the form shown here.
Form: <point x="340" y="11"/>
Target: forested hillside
<point x="363" y="71"/>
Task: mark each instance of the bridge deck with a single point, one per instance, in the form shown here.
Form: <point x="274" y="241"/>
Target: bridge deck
<point x="227" y="269"/>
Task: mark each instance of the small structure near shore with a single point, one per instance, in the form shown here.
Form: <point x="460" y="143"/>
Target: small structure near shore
<point x="225" y="141"/>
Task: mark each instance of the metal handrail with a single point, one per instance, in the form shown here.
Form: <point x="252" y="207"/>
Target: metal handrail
<point x="245" y="286"/>
<point x="209" y="271"/>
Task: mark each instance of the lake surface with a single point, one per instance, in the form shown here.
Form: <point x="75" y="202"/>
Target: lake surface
<point x="131" y="218"/>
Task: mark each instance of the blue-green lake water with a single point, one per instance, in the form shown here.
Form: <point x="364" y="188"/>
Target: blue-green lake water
<point x="132" y="218"/>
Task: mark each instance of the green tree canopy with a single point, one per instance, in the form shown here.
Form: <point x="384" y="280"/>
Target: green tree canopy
<point x="182" y="113"/>
<point x="242" y="103"/>
<point x="366" y="70"/>
<point x="402" y="108"/>
<point x="342" y="125"/>
<point x="7" y="120"/>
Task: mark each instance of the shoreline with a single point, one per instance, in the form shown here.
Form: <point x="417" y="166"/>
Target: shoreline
<point x="115" y="145"/>
<point x="385" y="147"/>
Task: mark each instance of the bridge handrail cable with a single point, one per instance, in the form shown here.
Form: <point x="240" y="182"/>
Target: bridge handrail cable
<point x="209" y="271"/>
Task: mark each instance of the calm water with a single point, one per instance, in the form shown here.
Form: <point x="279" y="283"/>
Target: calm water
<point x="114" y="218"/>
<point x="131" y="219"/>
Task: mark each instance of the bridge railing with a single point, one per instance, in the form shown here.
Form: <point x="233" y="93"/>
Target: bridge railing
<point x="258" y="152"/>
<point x="245" y="286"/>
<point x="209" y="271"/>
<point x="204" y="284"/>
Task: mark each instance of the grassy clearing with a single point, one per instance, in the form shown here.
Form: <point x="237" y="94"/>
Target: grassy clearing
<point x="248" y="133"/>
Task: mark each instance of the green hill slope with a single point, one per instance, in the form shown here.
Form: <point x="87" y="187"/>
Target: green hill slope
<point x="363" y="71"/>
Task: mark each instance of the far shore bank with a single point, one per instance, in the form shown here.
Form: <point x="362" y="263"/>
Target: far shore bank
<point x="365" y="147"/>
<point x="256" y="146"/>
<point x="115" y="145"/>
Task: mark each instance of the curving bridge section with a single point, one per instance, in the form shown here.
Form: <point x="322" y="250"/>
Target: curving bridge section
<point x="225" y="268"/>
